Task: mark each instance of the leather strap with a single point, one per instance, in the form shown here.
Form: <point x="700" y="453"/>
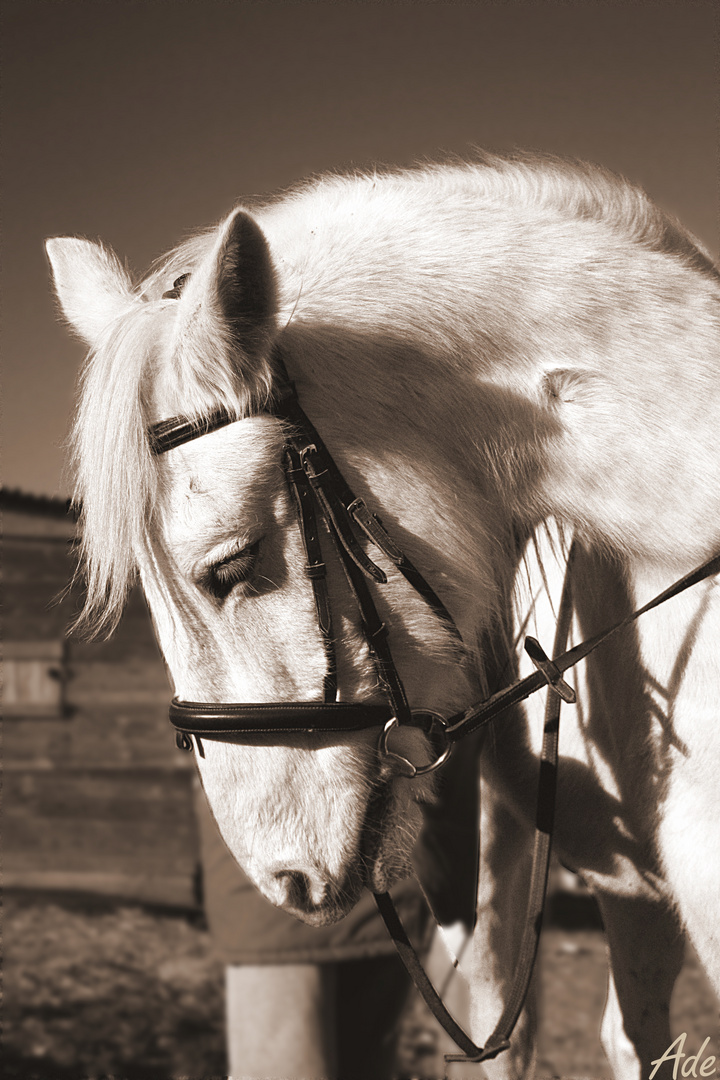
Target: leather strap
<point x="315" y="567"/>
<point x="499" y="1040"/>
<point x="427" y="991"/>
<point x="223" y="718"/>
<point x="337" y="502"/>
<point x="373" y="527"/>
<point x="477" y="716"/>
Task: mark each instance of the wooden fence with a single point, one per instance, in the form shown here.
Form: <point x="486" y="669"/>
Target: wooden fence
<point x="96" y="795"/>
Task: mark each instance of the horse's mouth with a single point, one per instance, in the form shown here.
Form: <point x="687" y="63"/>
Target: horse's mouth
<point x="379" y="866"/>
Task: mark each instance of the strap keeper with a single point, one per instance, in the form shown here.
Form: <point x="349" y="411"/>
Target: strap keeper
<point x="550" y="670"/>
<point x="315" y="571"/>
<point x="486" y="1053"/>
<point x="183" y="741"/>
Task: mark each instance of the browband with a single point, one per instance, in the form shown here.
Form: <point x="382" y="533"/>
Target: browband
<point x="167" y="434"/>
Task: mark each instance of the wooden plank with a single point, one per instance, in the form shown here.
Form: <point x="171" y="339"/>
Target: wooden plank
<point x="120" y="795"/>
<point x="30" y="613"/>
<point x="33" y="678"/>
<point x="99" y="821"/>
<point x="97" y="738"/>
<point x="50" y="649"/>
<point x="135" y="682"/>
<point x="97" y="845"/>
<point x="18" y="525"/>
<point x="110" y="856"/>
<point x="168" y="890"/>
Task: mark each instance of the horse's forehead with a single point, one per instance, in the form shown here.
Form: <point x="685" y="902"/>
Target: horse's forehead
<point x="232" y="471"/>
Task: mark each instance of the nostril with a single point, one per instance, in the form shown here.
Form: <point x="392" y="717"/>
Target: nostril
<point x="300" y="891"/>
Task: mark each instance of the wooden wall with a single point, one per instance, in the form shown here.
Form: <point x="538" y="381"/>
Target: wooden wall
<point x="97" y="797"/>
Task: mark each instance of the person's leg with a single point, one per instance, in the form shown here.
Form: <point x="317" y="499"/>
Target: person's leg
<point x="280" y="1022"/>
<point x="370" y="996"/>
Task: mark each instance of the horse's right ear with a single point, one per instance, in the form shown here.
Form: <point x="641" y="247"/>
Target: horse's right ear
<point x="91" y="285"/>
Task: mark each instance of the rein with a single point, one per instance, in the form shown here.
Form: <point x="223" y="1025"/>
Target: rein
<point x="318" y="487"/>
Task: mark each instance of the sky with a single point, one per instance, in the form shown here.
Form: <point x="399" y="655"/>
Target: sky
<point x="136" y="122"/>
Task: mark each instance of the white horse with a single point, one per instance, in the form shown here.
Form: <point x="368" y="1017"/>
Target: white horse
<point x="487" y="349"/>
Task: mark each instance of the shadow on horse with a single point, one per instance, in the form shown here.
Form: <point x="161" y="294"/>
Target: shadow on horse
<point x="503" y="359"/>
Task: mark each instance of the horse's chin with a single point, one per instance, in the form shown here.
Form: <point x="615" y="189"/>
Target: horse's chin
<point x="392" y="825"/>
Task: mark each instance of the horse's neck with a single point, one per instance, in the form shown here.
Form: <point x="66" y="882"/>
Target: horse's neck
<point x="655" y="674"/>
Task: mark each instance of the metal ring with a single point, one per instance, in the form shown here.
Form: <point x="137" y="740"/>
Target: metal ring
<point x="409" y="769"/>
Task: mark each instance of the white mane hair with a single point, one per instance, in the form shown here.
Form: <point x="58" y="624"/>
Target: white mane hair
<point x="391" y="252"/>
<point x="116" y="476"/>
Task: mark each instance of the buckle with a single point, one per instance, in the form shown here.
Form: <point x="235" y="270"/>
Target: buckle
<point x="309" y="459"/>
<point x="407" y="768"/>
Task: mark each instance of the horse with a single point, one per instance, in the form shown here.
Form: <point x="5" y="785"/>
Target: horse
<point x="504" y="356"/>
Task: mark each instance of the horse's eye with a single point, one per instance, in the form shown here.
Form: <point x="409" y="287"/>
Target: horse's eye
<point x="223" y="576"/>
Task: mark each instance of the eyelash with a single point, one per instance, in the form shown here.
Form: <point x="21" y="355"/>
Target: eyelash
<point x="222" y="578"/>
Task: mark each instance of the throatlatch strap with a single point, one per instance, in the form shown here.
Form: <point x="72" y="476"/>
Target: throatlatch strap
<point x="499" y="1040"/>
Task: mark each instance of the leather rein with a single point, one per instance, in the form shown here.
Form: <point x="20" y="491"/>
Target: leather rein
<point x="318" y="487"/>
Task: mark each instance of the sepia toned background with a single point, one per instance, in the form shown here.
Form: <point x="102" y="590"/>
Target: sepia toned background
<point x="136" y="122"/>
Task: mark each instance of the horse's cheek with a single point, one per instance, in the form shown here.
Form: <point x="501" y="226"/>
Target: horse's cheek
<point x="286" y="806"/>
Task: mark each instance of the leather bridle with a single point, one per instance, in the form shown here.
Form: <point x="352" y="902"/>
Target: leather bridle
<point x="317" y="484"/>
<point x="318" y="487"/>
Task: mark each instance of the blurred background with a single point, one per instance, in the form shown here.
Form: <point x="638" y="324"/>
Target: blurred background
<point x="136" y="122"/>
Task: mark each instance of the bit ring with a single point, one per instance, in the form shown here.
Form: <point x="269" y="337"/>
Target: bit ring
<point x="406" y="766"/>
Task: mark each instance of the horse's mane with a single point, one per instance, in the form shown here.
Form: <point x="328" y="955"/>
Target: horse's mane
<point x="117" y="478"/>
<point x="575" y="188"/>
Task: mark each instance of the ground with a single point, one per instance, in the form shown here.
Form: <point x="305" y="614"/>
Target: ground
<point x="97" y="991"/>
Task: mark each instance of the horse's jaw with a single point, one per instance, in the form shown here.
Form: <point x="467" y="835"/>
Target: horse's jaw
<point x="312" y="827"/>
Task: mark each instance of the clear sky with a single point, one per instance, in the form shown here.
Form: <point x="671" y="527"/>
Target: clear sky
<point x="138" y="121"/>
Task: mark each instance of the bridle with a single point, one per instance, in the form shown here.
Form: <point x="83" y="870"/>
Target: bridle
<point x="319" y="488"/>
<point x="317" y="485"/>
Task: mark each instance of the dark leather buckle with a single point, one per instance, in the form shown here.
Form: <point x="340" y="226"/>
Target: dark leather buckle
<point x="309" y="457"/>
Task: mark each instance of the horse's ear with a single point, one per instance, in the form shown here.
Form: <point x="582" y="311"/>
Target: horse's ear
<point x="91" y="285"/>
<point x="244" y="281"/>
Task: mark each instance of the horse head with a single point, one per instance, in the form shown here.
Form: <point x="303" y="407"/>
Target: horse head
<point x="211" y="527"/>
